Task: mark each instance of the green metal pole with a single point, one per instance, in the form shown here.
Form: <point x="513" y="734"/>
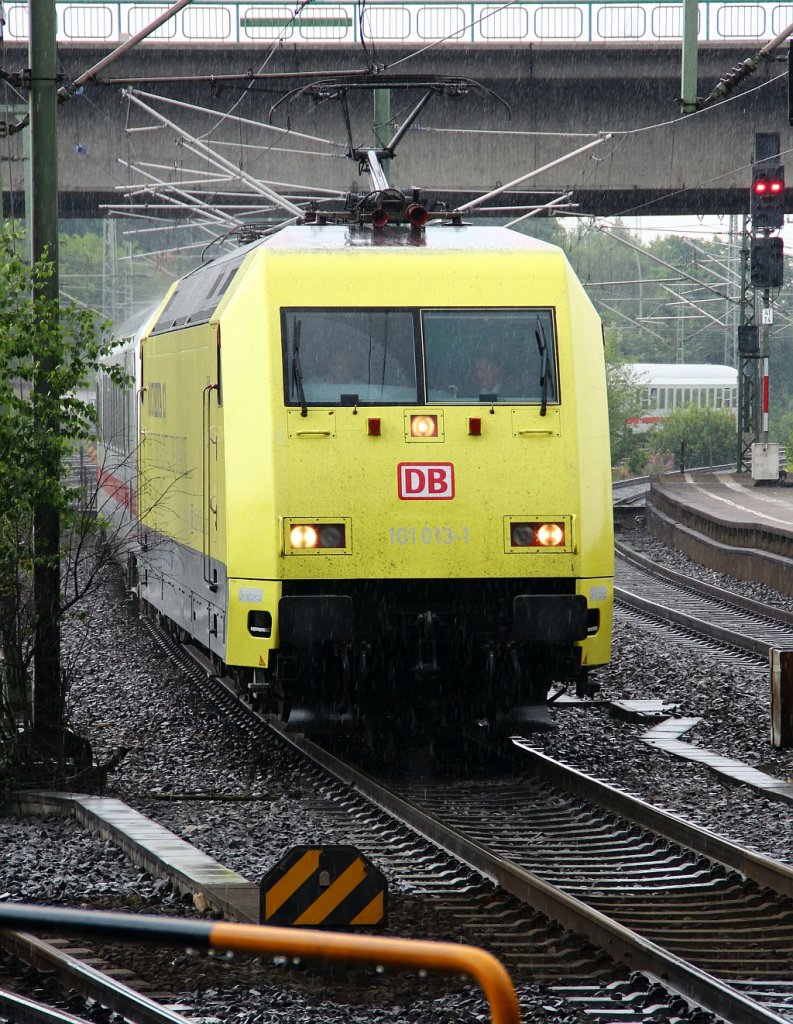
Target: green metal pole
<point x="43" y="218"/>
<point x="382" y="124"/>
<point x="688" y="85"/>
<point x="48" y="692"/>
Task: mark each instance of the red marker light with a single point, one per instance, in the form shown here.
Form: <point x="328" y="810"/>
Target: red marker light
<point x="374" y="426"/>
<point x="475" y="426"/>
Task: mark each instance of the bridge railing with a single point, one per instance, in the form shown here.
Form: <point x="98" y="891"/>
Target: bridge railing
<point x="412" y="23"/>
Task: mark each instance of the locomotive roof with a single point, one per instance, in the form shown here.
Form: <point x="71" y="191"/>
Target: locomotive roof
<point x="436" y="236"/>
<point x="198" y="294"/>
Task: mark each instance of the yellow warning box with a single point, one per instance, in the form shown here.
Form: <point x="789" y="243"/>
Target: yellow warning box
<point x="324" y="887"/>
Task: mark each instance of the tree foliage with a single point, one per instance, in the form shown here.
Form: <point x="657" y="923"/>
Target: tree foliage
<point x="623" y="402"/>
<point x="49" y="353"/>
<point x="696" y="437"/>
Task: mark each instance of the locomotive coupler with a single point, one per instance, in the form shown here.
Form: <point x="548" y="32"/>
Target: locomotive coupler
<point x="427" y="663"/>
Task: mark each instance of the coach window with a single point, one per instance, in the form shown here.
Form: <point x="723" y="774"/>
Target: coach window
<point x="490" y="355"/>
<point x="662" y="398"/>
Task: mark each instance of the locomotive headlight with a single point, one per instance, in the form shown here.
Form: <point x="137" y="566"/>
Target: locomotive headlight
<point x="550" y="535"/>
<point x="331" y="535"/>
<point x="538" y="534"/>
<point x="316" y="538"/>
<point x="424" y="426"/>
<point x="522" y="535"/>
<point x="303" y="536"/>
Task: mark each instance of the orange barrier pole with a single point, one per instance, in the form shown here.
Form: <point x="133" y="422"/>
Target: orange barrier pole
<point x="442" y="957"/>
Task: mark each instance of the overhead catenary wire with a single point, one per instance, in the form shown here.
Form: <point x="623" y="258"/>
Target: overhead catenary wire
<point x="262" y="125"/>
<point x="201" y="148"/>
<point x="68" y="91"/>
<point x="559" y="201"/>
<point x="663" y="263"/>
<point x="313" y="189"/>
<point x="185" y="199"/>
<point x="531" y="174"/>
<point x="273" y="147"/>
<point x="299" y="8"/>
<point x="747" y="67"/>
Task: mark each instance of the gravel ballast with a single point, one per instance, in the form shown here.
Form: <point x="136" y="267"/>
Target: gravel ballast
<point x="126" y="693"/>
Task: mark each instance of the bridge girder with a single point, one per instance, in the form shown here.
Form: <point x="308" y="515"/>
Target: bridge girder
<point x="558" y="95"/>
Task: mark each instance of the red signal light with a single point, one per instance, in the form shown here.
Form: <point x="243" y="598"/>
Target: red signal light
<point x="763" y="187"/>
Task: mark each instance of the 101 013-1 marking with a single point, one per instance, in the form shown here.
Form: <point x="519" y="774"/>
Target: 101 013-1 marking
<point x="402" y="535"/>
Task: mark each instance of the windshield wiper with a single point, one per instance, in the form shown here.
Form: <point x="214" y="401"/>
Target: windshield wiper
<point x="543" y="348"/>
<point x="297" y="373"/>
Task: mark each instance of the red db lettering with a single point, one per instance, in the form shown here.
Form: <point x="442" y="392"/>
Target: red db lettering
<point x="436" y="480"/>
<point x="414" y="480"/>
<point x="425" y="480"/>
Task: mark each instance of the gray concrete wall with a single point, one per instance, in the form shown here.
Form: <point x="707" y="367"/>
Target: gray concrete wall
<point x="697" y="164"/>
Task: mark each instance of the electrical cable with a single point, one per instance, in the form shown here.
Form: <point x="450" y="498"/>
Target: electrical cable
<point x="490" y="12"/>
<point x="301" y="5"/>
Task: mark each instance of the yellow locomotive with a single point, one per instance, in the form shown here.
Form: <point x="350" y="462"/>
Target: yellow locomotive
<point x="373" y="471"/>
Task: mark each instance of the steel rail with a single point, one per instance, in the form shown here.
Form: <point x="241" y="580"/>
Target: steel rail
<point x="762" y="870"/>
<point x="312" y="944"/>
<point x="759" y="645"/>
<point x="22" y="1010"/>
<point x="621" y="943"/>
<point x="781" y="615"/>
<point x="87" y="980"/>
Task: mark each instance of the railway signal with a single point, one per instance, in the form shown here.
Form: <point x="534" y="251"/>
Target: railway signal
<point x="766" y="261"/>
<point x="768" y="196"/>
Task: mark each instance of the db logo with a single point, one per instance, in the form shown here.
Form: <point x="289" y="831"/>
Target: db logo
<point x="425" y="480"/>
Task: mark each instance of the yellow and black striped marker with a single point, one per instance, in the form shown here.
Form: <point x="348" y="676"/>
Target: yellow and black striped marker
<point x="324" y="887"/>
<point x="334" y="947"/>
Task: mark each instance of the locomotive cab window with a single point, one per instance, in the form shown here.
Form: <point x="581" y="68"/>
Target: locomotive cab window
<point x="490" y="355"/>
<point x="349" y="356"/>
<point x="402" y="356"/>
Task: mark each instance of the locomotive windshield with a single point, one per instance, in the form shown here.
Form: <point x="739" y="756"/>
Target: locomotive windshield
<point x="464" y="356"/>
<point x="346" y="356"/>
<point x="489" y="355"/>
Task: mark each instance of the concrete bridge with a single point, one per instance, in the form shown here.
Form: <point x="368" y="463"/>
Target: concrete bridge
<point x="557" y="94"/>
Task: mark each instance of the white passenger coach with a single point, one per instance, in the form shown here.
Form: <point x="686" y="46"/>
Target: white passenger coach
<point x="664" y="387"/>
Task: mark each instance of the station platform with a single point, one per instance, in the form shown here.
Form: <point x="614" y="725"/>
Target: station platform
<point x="728" y="522"/>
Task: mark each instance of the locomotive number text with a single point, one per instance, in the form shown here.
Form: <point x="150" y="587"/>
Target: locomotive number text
<point x="427" y="535"/>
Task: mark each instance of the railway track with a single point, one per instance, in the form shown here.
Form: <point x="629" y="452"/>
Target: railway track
<point x="75" y="973"/>
<point x="18" y="1009"/>
<point x="739" y="626"/>
<point x="623" y="882"/>
<point x="563" y="878"/>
